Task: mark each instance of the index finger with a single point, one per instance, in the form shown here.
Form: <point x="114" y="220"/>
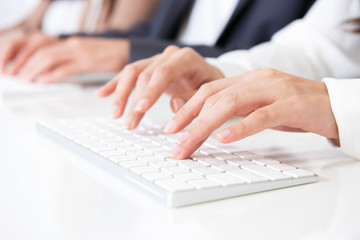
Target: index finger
<point x="7" y="53"/>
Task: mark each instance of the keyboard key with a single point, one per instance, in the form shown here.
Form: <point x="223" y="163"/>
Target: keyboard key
<point x="266" y="172"/>
<point x="210" y="151"/>
<point x="247" y="176"/>
<point x="225" y="179"/>
<point x="204" y="183"/>
<point x="130" y="164"/>
<point x="198" y="156"/>
<point x="165" y="154"/>
<point x="245" y="154"/>
<point x="156" y="176"/>
<point x="239" y="162"/>
<point x="188" y="176"/>
<point x="299" y="173"/>
<point x="210" y="161"/>
<point x="141" y="170"/>
<point x="179" y="161"/>
<point x="162" y="164"/>
<point x="102" y="148"/>
<point x="264" y="161"/>
<point x="205" y="170"/>
<point x="280" y="166"/>
<point x="191" y="165"/>
<point x="151" y="159"/>
<point x="122" y="158"/>
<point x="224" y="166"/>
<point x="225" y="156"/>
<point x="175" y="170"/>
<point x="174" y="185"/>
<point x="108" y="154"/>
<point x="230" y="148"/>
<point x="139" y="154"/>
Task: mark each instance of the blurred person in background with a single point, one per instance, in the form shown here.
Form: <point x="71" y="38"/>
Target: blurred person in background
<point x="51" y="19"/>
<point x="211" y="27"/>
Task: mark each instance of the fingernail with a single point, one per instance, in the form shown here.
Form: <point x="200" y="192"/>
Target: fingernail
<point x="142" y="105"/>
<point x="128" y="122"/>
<point x="176" y="151"/>
<point x="224" y="134"/>
<point x="183" y="138"/>
<point x="178" y="103"/>
<point x="169" y="128"/>
<point x="97" y="93"/>
<point x="116" y="111"/>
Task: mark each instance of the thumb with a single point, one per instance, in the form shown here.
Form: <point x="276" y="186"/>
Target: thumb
<point x="177" y="101"/>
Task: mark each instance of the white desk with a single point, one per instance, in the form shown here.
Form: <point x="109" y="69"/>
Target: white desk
<point x="47" y="192"/>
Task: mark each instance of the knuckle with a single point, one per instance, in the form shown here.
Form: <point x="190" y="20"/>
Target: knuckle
<point x="163" y="70"/>
<point x="181" y="113"/>
<point x="210" y="102"/>
<point x="131" y="69"/>
<point x="171" y="48"/>
<point x="244" y="127"/>
<point x="268" y="72"/>
<point x="264" y="115"/>
<point x="187" y="51"/>
<point x="145" y="77"/>
<point x="231" y="99"/>
<point x="184" y="113"/>
<point x="202" y="123"/>
<point x="206" y="88"/>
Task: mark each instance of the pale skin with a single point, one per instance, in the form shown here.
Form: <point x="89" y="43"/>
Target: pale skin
<point x="35" y="56"/>
<point x="58" y="59"/>
<point x="265" y="98"/>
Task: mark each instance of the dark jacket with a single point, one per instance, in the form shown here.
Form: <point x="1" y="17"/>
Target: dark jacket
<point x="252" y="22"/>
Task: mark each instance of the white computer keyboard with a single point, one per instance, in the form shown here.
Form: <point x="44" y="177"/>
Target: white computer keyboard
<point x="13" y="90"/>
<point x="141" y="157"/>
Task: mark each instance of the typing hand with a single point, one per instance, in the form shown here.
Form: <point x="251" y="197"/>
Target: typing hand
<point x="76" y="55"/>
<point x="176" y="71"/>
<point x="20" y="48"/>
<point x="266" y="98"/>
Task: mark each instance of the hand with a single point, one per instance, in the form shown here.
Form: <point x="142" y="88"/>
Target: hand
<point x="19" y="49"/>
<point x="74" y="56"/>
<point x="266" y="98"/>
<point x="176" y="72"/>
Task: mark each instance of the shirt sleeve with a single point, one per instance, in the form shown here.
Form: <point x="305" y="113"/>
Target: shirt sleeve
<point x="319" y="45"/>
<point x="345" y="98"/>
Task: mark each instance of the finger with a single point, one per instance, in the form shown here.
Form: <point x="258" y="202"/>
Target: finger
<point x="60" y="73"/>
<point x="156" y="79"/>
<point x="207" y="122"/>
<point x="266" y="117"/>
<point x="192" y="108"/>
<point x="44" y="61"/>
<point x="7" y="53"/>
<point x="182" y="153"/>
<point x="133" y="118"/>
<point x="21" y="58"/>
<point x="126" y="82"/>
<point x="108" y="88"/>
<point x="179" y="101"/>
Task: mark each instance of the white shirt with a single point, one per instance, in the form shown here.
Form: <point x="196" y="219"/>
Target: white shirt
<point x="206" y="21"/>
<point x="63" y="17"/>
<point x="317" y="47"/>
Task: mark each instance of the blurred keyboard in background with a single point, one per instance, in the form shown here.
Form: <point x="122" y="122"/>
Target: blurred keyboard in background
<point x="13" y="90"/>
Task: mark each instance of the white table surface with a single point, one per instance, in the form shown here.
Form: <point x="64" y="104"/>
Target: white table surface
<point x="47" y="192"/>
